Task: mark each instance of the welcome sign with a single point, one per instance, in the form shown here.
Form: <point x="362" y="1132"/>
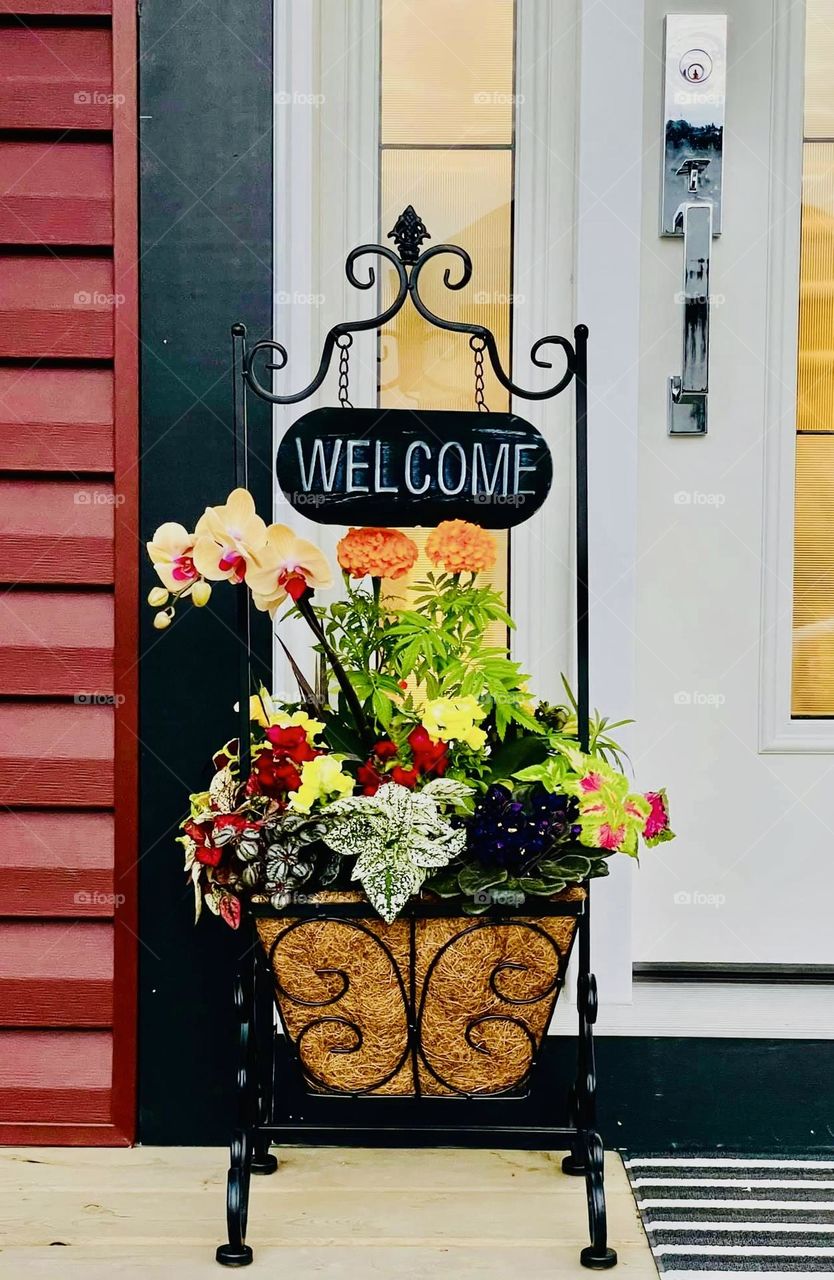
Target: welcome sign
<point x="407" y="467"/>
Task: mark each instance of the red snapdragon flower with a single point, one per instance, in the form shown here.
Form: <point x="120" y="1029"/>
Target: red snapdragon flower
<point x="369" y="778"/>
<point x="430" y="757"/>
<point x="290" y="743"/>
<point x="273" y="776"/>
<point x="405" y="777"/>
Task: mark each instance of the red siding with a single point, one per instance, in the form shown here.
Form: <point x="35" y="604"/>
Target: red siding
<point x="56" y="78"/>
<point x="56" y="419"/>
<point x="68" y="615"/>
<point x="52" y="195"/>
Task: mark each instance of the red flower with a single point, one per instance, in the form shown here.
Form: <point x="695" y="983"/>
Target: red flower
<point x="405" y="777"/>
<point x="369" y="778"/>
<point x="273" y="776"/>
<point x="291" y="743"/>
<point x="430" y="757"/>
<point x="385" y="749"/>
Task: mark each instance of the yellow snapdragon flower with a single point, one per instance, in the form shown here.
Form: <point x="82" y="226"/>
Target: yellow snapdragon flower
<point x="321" y="779"/>
<point x="455" y="720"/>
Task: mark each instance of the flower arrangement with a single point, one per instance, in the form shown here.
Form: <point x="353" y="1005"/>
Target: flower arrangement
<point x="427" y="768"/>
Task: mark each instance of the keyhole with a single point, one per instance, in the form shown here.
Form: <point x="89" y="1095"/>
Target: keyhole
<point x="695" y="66"/>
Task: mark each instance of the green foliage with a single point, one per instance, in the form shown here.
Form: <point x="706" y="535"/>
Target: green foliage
<point x="480" y="887"/>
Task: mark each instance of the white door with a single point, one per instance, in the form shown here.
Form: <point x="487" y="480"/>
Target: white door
<point x="732" y="580"/>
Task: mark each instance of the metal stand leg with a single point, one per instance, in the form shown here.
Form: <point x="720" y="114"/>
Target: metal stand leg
<point x="263" y="1161"/>
<point x="236" y="1252"/>
<point x="587" y="1154"/>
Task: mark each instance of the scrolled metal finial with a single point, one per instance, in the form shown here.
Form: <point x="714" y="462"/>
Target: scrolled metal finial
<point x="485" y="335"/>
<point x="408" y="233"/>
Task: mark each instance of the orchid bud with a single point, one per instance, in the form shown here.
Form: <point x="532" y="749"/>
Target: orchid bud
<point x="162" y="620"/>
<point x="201" y="593"/>
<point x="157" y="597"/>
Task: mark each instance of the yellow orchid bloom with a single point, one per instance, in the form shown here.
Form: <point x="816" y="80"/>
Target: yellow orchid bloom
<point x="321" y="779"/>
<point x="171" y="551"/>
<point x="286" y="566"/>
<point x="227" y="538"/>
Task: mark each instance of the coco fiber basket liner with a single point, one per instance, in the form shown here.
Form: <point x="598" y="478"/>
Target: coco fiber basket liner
<point x="439" y="1005"/>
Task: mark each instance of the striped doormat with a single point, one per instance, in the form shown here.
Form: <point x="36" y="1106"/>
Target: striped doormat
<point x="763" y="1214"/>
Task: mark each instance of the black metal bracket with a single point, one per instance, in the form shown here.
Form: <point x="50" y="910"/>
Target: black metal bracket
<point x="408" y="233"/>
<point x="260" y="1088"/>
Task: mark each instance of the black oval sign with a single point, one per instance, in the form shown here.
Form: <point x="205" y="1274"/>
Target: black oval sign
<point x="407" y="467"/>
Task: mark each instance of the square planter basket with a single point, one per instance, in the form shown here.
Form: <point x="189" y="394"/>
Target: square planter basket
<point x="435" y="1004"/>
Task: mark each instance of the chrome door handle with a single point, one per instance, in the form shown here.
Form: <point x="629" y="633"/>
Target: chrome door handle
<point x="688" y="390"/>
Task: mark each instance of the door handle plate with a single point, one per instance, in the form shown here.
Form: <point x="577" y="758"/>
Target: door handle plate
<point x="695" y="63"/>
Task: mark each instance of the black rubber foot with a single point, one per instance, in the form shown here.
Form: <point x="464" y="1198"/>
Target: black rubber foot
<point x="229" y="1255"/>
<point x="598" y="1261"/>
<point x="267" y="1163"/>
<point x="573" y="1167"/>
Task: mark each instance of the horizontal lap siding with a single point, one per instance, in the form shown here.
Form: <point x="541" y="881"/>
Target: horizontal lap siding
<point x="67" y="505"/>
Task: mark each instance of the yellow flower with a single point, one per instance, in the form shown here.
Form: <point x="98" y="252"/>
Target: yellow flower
<point x="286" y="566"/>
<point x="260" y="708"/>
<point x="171" y="551"/>
<point x="455" y="720"/>
<point x="321" y="779"/>
<point x="227" y="537"/>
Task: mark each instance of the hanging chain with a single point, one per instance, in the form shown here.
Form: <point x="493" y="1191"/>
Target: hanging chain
<point x="344" y="342"/>
<point x="477" y="344"/>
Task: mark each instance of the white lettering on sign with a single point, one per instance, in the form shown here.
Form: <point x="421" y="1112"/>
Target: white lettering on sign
<point x="379" y="487"/>
<point x="328" y="478"/>
<point x="409" y="466"/>
<point x="441" y="468"/>
<point x="355" y="464"/>
<point x="451" y="469"/>
<point x="502" y="463"/>
<point x="518" y="467"/>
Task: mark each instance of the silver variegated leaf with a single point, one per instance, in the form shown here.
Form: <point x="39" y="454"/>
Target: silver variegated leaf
<point x="388" y="881"/>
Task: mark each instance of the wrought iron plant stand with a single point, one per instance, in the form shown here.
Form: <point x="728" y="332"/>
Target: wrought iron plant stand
<point x="414" y="1098"/>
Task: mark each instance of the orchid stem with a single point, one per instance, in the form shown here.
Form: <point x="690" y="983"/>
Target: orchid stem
<point x="307" y="612"/>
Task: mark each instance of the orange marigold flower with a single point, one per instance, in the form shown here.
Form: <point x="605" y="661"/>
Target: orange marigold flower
<point x="461" y="547"/>
<point x="383" y="553"/>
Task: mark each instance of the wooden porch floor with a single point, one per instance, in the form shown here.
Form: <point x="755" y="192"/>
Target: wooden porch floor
<point x="328" y="1212"/>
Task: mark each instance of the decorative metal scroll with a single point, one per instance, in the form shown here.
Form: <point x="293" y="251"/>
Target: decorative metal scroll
<point x="408" y="264"/>
<point x="440" y="1007"/>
